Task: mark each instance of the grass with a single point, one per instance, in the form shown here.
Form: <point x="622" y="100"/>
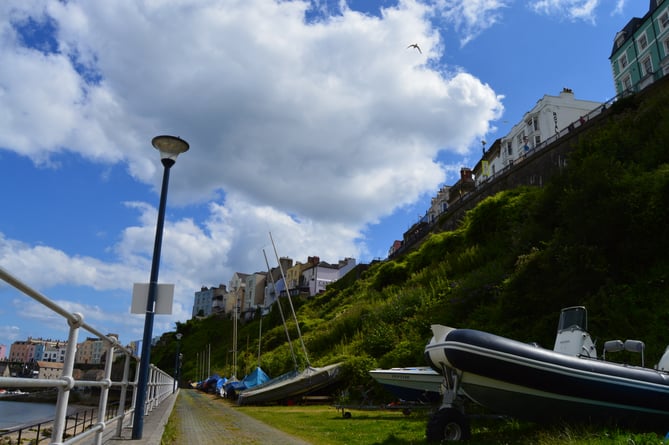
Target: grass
<point x="324" y="425"/>
<point x="170" y="433"/>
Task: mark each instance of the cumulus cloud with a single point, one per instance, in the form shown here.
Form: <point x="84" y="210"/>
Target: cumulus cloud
<point x="311" y="129"/>
<point x="471" y="17"/>
<point x="570" y="9"/>
<point x="313" y="118"/>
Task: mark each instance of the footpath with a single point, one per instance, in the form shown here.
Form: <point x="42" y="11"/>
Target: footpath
<point x="203" y="420"/>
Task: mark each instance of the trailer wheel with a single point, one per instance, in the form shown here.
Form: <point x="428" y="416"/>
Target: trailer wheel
<point x="447" y="424"/>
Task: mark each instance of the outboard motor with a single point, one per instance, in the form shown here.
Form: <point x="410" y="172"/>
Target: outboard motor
<point x="663" y="365"/>
<point x="572" y="334"/>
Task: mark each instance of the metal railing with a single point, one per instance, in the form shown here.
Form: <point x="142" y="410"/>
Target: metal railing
<point x="160" y="385"/>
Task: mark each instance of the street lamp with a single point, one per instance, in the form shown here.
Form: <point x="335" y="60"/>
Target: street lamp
<point x="169" y="147"/>
<point x="177" y="364"/>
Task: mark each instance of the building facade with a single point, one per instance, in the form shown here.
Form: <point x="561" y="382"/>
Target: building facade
<point x="546" y="119"/>
<point x="204" y="300"/>
<point x="89" y="351"/>
<point x="49" y="370"/>
<point x="640" y="53"/>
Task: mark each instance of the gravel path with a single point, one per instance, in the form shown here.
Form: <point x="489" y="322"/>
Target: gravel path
<point x="204" y="420"/>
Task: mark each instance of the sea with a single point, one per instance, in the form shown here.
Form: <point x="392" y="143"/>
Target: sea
<point x="24" y="413"/>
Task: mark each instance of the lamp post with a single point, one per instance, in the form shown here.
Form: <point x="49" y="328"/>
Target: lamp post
<point x="169" y="147"/>
<point x="177" y="364"/>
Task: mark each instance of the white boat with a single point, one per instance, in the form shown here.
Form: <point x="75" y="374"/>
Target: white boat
<point x="291" y="386"/>
<point x="412" y="384"/>
<point x="528" y="382"/>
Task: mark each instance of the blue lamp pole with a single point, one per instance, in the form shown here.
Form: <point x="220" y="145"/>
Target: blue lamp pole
<point x="169" y="147"/>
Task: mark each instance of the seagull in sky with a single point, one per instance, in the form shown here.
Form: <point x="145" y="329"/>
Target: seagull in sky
<point x="415" y="45"/>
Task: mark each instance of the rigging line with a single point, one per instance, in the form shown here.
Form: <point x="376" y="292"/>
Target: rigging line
<point x="283" y="319"/>
<point x="259" y="339"/>
<point x="290" y="300"/>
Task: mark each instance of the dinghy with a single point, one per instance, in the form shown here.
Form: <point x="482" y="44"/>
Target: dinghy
<point x="529" y="382"/>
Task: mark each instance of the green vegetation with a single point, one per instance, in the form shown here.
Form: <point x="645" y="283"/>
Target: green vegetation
<point x="597" y="235"/>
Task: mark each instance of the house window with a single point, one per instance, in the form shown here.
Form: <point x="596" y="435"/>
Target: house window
<point x="537" y="140"/>
<point x="509" y="148"/>
<point x="642" y="42"/>
<point x="532" y="124"/>
<point x="627" y="83"/>
<point x="647" y="66"/>
<point x="620" y="39"/>
<point x="623" y="61"/>
<point x="664" y="20"/>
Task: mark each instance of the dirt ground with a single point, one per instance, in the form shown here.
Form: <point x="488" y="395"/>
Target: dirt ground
<point x="204" y="420"/>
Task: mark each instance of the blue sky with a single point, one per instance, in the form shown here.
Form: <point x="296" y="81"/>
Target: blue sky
<point x="309" y="120"/>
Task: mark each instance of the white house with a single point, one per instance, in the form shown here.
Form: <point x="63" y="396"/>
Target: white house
<point x="546" y="119"/>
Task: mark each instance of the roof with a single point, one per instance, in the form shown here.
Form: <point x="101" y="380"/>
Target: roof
<point x="49" y="364"/>
<point x="632" y="26"/>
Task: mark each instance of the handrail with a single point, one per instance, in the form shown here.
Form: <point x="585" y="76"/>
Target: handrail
<point x="160" y="384"/>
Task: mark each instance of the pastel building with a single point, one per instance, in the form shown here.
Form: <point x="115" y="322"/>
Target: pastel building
<point x="640" y="53"/>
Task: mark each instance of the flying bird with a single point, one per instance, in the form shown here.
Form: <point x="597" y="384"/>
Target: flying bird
<point x="415" y="45"/>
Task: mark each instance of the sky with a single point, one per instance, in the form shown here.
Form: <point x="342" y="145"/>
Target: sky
<point x="310" y="120"/>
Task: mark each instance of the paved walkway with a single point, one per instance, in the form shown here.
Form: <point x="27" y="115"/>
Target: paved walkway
<point x="202" y="420"/>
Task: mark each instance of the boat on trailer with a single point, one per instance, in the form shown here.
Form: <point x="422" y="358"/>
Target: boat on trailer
<point x="412" y="384"/>
<point x="529" y="382"/>
<point x="291" y="385"/>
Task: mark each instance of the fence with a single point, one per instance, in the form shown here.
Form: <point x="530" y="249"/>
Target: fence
<point x="160" y="384"/>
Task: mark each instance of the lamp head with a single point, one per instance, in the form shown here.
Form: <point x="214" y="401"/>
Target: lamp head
<point x="170" y="146"/>
<point x="179" y="335"/>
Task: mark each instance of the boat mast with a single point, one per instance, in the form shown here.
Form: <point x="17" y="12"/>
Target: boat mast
<point x="278" y="301"/>
<point x="234" y="341"/>
<point x="290" y="300"/>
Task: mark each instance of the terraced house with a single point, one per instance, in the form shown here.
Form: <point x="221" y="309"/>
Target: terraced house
<point x="640" y="52"/>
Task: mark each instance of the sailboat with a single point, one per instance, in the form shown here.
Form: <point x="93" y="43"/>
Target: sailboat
<point x="295" y="383"/>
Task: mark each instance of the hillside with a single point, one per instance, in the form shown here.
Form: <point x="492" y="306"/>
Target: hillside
<point x="597" y="235"/>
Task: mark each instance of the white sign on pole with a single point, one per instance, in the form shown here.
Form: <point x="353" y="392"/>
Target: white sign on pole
<point x="164" y="298"/>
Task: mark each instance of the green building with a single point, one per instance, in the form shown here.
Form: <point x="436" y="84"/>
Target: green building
<point x="640" y="53"/>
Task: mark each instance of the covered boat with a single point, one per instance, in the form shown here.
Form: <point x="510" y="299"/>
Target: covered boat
<point x="529" y="382"/>
<point x="255" y="378"/>
<point x="412" y="384"/>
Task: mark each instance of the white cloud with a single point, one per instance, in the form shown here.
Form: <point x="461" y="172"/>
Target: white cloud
<point x="569" y="9"/>
<point x="267" y="102"/>
<point x="471" y="17"/>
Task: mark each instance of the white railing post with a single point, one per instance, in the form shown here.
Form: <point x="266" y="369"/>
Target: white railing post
<point x="124" y="389"/>
<point x="68" y="366"/>
<point x="104" y="391"/>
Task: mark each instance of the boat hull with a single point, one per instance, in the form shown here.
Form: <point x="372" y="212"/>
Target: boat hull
<point x="533" y="383"/>
<point x="419" y="384"/>
<point x="290" y="385"/>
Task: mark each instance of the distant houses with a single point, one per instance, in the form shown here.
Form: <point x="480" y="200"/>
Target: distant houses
<point x="550" y="118"/>
<point x="248" y="293"/>
<point x="46" y="356"/>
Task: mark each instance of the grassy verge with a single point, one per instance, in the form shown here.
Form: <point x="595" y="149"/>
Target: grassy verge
<point x="170" y="433"/>
<point x="324" y="425"/>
